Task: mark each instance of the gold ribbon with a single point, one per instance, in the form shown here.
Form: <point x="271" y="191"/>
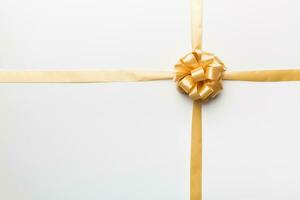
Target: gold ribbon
<point x="196" y="143"/>
<point x="106" y="76"/>
<point x="87" y="76"/>
<point x="199" y="74"/>
<point x="263" y="75"/>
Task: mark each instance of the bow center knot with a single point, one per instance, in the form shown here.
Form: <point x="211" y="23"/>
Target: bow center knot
<point x="199" y="74"/>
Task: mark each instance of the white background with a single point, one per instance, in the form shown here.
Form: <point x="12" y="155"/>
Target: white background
<point x="131" y="141"/>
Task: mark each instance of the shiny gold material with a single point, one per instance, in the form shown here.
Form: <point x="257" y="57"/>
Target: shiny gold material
<point x="199" y="74"/>
<point x="83" y="76"/>
<point x="196" y="143"/>
<point x="196" y="24"/>
<point x="102" y="76"/>
<point x="264" y="75"/>
<point x="186" y="84"/>
<point x="196" y="153"/>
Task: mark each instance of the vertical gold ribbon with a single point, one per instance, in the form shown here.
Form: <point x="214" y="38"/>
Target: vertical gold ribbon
<point x="196" y="143"/>
<point x="196" y="153"/>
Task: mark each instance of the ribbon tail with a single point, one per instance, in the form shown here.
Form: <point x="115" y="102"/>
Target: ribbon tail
<point x="82" y="76"/>
<point x="196" y="153"/>
<point x="263" y="75"/>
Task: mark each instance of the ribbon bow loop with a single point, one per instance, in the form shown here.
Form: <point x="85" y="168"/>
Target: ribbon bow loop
<point x="199" y="74"/>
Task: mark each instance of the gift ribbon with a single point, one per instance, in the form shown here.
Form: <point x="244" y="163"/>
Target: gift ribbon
<point x="106" y="76"/>
<point x="199" y="77"/>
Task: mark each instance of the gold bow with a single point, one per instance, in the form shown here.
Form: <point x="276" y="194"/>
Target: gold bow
<point x="199" y="74"/>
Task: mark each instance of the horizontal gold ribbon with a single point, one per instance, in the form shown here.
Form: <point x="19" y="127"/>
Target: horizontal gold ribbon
<point x="82" y="76"/>
<point x="263" y="75"/>
<point x="102" y="76"/>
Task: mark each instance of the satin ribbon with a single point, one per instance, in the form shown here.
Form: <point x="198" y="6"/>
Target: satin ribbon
<point x="192" y="72"/>
<point x="106" y="76"/>
<point x="87" y="76"/>
<point x="199" y="74"/>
